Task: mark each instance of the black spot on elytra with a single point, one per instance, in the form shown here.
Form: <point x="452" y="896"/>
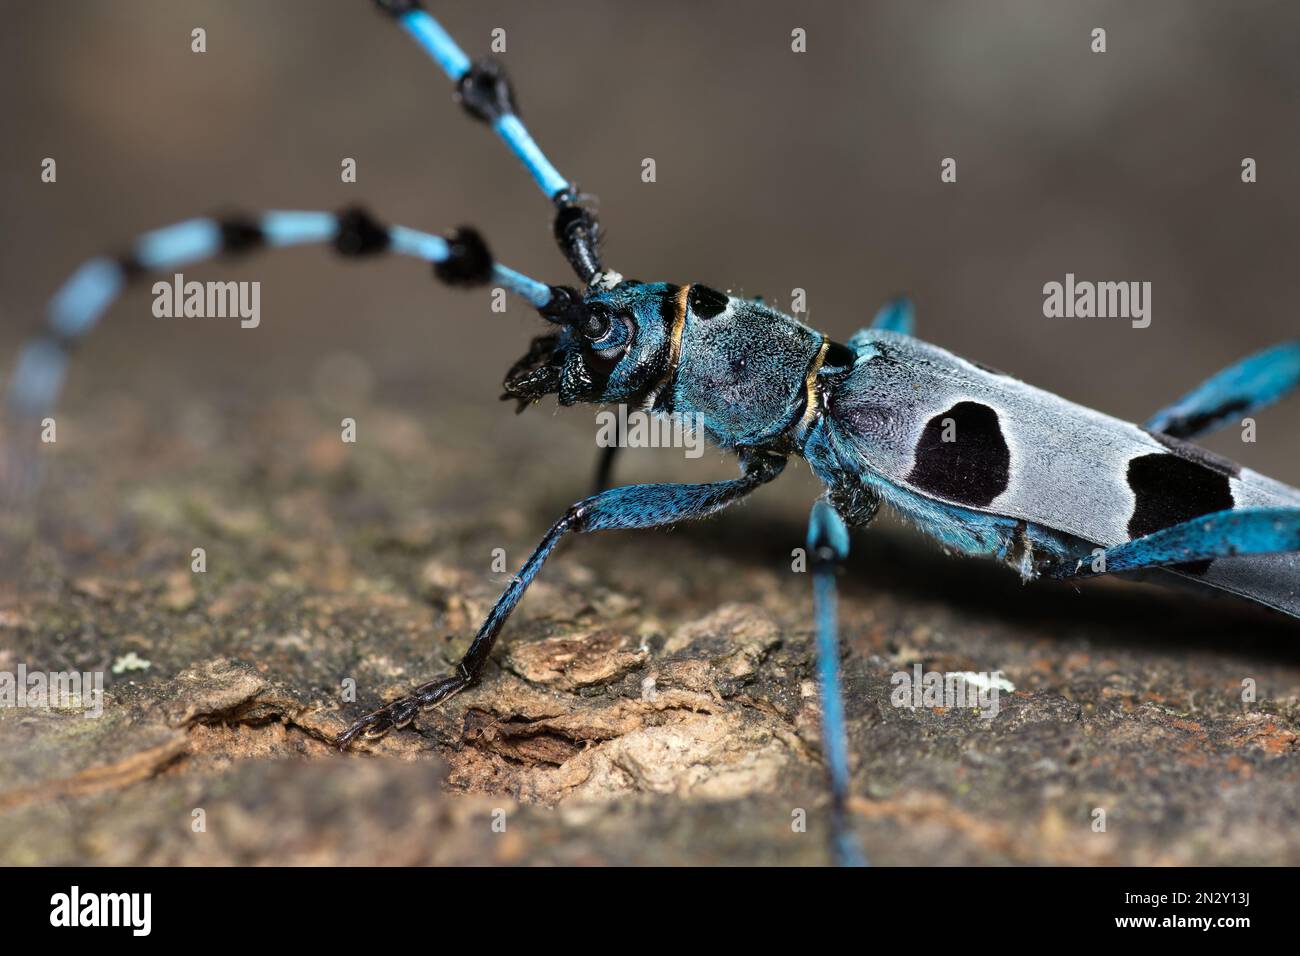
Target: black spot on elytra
<point x="1198" y="455"/>
<point x="706" y="303"/>
<point x="974" y="467"/>
<point x="1171" y="488"/>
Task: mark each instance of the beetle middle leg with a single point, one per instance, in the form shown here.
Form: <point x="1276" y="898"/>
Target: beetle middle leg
<point x="897" y="315"/>
<point x="631" y="506"/>
<point x="828" y="546"/>
<point x="604" y="469"/>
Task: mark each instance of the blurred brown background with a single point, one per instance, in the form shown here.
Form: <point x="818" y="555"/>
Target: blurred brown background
<point x="775" y="170"/>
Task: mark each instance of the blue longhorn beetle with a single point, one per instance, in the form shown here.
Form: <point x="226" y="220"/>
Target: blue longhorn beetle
<point x="983" y="463"/>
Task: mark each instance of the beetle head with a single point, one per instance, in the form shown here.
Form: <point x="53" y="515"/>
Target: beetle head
<point x="612" y="344"/>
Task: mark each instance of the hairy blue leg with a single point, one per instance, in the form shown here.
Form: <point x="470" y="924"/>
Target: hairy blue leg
<point x="828" y="543"/>
<point x="898" y="315"/>
<point x="1223" y="534"/>
<point x="461" y="258"/>
<point x="1254" y="382"/>
<point x="486" y="94"/>
<point x="632" y="506"/>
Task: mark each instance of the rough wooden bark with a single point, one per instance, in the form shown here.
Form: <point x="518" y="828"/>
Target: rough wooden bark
<point x="651" y="702"/>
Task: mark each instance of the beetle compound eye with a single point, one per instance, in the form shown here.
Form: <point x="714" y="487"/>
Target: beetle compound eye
<point x="596" y="324"/>
<point x="615" y="339"/>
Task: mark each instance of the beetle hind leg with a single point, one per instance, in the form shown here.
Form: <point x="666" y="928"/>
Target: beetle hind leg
<point x="1250" y="384"/>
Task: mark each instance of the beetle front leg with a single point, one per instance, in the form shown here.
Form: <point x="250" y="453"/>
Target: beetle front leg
<point x="632" y="506"/>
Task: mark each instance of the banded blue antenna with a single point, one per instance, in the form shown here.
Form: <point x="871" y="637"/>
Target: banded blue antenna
<point x="460" y="259"/>
<point x="484" y="90"/>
